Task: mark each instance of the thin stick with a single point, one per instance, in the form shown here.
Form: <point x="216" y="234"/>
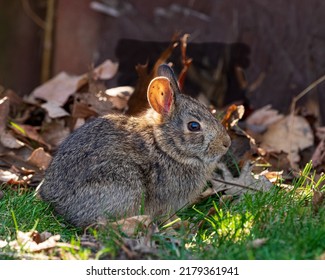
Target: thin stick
<point x="305" y="91"/>
<point x="34" y="17"/>
<point x="235" y="184"/>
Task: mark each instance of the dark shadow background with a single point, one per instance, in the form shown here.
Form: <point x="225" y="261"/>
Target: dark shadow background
<point x="286" y="40"/>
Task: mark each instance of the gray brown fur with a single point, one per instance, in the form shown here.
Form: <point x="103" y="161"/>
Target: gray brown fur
<point x="112" y="165"/>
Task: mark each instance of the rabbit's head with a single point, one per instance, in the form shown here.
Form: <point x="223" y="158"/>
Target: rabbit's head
<point x="183" y="127"/>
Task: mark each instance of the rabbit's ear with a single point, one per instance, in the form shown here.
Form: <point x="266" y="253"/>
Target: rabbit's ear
<point x="160" y="95"/>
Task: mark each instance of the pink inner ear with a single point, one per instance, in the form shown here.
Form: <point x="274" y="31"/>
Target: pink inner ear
<point x="160" y="95"/>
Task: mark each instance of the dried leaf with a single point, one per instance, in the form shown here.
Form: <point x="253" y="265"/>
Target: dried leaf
<point x="54" y="110"/>
<point x="31" y="133"/>
<point x="6" y="176"/>
<point x="262" y="118"/>
<point x="26" y="241"/>
<point x="9" y="141"/>
<point x="233" y="115"/>
<point x="58" y="89"/>
<point x="133" y="224"/>
<point x="106" y="70"/>
<point x="318" y="156"/>
<point x="238" y="185"/>
<point x="272" y="176"/>
<point x="290" y="135"/>
<point x="40" y="158"/>
<point x="120" y="96"/>
<point x="88" y="104"/>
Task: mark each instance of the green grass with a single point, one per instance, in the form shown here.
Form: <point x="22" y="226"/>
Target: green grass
<point x="286" y="218"/>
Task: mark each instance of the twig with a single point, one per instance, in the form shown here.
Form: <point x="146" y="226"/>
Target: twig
<point x="304" y="92"/>
<point x="34" y="17"/>
<point x="235" y="184"/>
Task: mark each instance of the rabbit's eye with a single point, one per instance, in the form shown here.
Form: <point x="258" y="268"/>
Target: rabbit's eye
<point x="193" y="126"/>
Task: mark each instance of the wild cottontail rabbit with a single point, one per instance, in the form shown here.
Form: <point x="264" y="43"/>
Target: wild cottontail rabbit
<point x="116" y="165"/>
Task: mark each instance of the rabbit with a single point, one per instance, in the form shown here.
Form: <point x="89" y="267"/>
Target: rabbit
<point x="116" y="166"/>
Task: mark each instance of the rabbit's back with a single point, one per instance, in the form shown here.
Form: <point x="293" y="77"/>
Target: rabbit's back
<point x="98" y="169"/>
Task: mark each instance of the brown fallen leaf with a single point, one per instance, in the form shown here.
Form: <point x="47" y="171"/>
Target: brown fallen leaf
<point x="233" y="115"/>
<point x="40" y="158"/>
<point x="272" y="176"/>
<point x="30" y="132"/>
<point x="132" y="225"/>
<point x="262" y="118"/>
<point x="290" y="135"/>
<point x="58" y="89"/>
<point x="246" y="182"/>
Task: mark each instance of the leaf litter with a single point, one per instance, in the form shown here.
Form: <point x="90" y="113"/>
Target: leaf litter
<point x="266" y="145"/>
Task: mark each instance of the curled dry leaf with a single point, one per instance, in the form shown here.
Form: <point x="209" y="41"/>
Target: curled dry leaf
<point x="233" y="115"/>
<point x="272" y="176"/>
<point x="132" y="225"/>
<point x="290" y="135"/>
<point x="40" y="158"/>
